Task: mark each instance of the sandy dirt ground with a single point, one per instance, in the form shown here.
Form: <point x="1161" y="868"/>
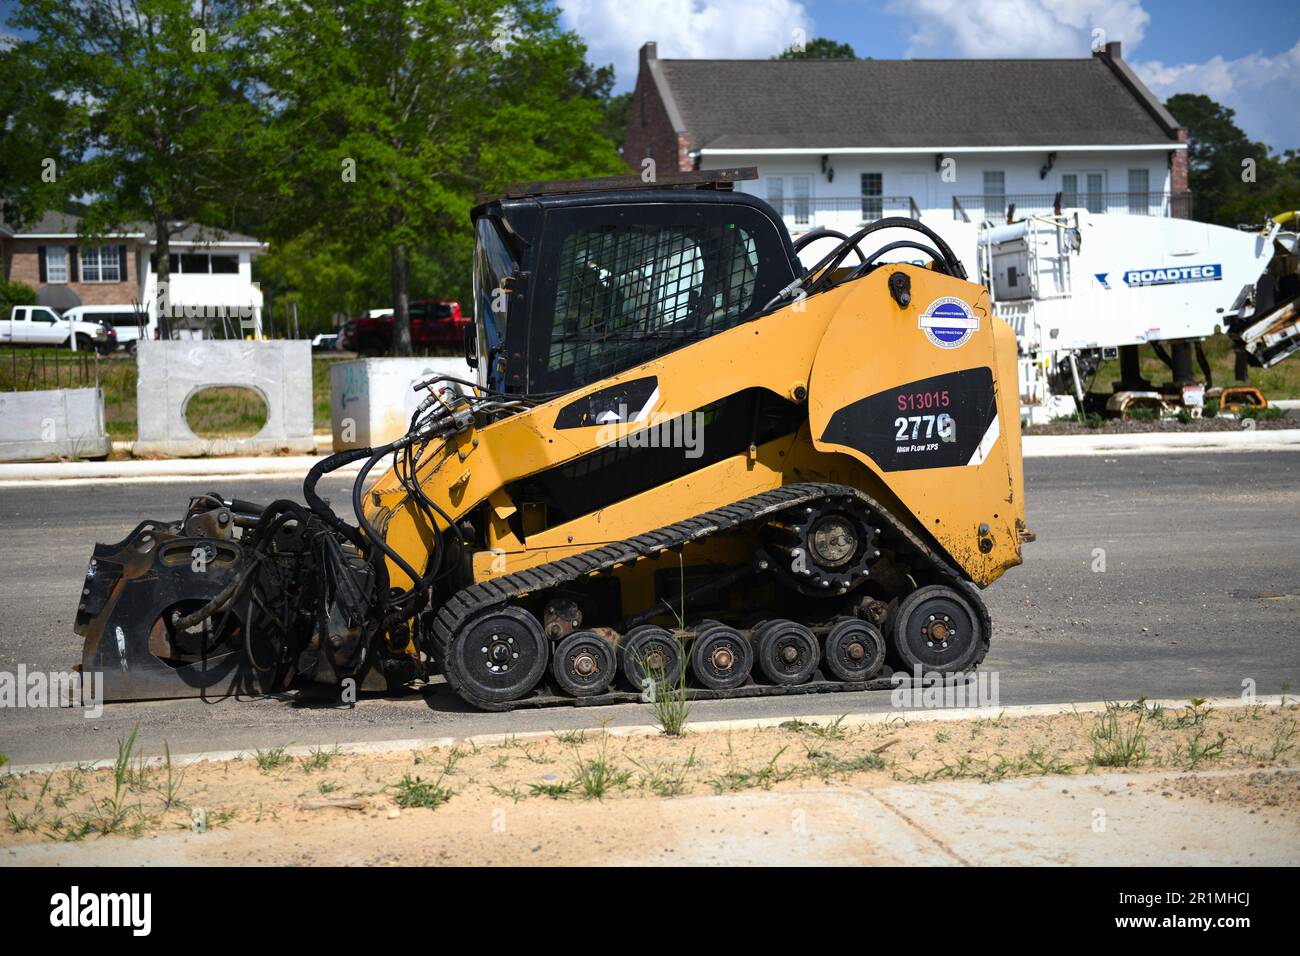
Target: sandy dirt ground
<point x="876" y="793"/>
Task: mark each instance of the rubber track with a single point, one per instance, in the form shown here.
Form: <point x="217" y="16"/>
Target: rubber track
<point x="477" y="598"/>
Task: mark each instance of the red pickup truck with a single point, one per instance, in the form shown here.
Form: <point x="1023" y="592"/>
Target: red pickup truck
<point x="435" y="324"/>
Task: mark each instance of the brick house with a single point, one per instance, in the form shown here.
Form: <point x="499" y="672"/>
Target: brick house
<point x="211" y="269"/>
<point x="842" y="142"/>
<point x="66" y="271"/>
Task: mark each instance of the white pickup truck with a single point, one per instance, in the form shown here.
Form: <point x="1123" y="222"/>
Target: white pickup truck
<point x="41" y="325"/>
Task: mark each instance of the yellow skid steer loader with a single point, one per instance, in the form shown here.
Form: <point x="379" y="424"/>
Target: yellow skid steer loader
<point x="686" y="458"/>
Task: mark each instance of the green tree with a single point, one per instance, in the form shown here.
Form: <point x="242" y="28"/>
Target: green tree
<point x="156" y="107"/>
<point x="328" y="278"/>
<point x="34" y="154"/>
<point x="390" y="115"/>
<point x="818" y="48"/>
<point x="1233" y="180"/>
<point x="616" y="110"/>
<point x="14" y="293"/>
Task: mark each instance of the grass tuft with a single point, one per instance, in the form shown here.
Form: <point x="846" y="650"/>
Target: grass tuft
<point x="595" y="777"/>
<point x="272" y="759"/>
<point x="1118" y="738"/>
<point x="412" y="792"/>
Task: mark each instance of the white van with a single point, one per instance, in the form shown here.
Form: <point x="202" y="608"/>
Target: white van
<point x="132" y="323"/>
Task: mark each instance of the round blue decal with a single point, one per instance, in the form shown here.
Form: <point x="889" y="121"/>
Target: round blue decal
<point x="948" y="322"/>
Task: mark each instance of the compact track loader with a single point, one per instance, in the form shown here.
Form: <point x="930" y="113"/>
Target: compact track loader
<point x="686" y="458"/>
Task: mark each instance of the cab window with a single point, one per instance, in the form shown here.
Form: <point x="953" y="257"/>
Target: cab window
<point x="626" y="292"/>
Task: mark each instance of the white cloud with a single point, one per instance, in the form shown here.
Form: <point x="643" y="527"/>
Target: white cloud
<point x="718" y="29"/>
<point x="1264" y="90"/>
<point x="1017" y="28"/>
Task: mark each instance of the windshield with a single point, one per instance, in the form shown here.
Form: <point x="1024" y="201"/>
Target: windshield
<point x="493" y="264"/>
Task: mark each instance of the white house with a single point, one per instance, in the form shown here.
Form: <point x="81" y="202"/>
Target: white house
<point x="210" y="280"/>
<point x="839" y="143"/>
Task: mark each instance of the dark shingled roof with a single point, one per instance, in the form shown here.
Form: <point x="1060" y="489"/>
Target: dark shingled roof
<point x="737" y="104"/>
<point x="193" y="232"/>
<point x="52" y="223"/>
<point x="65" y="223"/>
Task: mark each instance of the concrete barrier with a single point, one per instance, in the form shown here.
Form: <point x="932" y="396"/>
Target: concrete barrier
<point x="371" y="400"/>
<point x="53" y="423"/>
<point x="171" y="373"/>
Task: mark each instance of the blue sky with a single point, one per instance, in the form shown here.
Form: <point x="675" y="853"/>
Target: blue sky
<point x="1243" y="53"/>
<point x="1179" y="30"/>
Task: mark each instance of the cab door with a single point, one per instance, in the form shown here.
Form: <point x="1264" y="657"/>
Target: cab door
<point x="43" y="327"/>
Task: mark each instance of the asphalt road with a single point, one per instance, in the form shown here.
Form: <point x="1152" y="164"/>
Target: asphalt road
<point x="1200" y="592"/>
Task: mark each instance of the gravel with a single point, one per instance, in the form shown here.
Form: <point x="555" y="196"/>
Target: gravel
<point x="1120" y="426"/>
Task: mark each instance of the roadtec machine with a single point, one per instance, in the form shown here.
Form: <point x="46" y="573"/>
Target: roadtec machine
<point x="1080" y="287"/>
<point x="686" y="457"/>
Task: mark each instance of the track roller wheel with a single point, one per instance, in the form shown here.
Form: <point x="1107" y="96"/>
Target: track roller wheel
<point x="936" y="629"/>
<point x="788" y="653"/>
<point x="648" y="651"/>
<point x="497" y="657"/>
<point x="721" y="658"/>
<point x="583" y="664"/>
<point x="855" y="650"/>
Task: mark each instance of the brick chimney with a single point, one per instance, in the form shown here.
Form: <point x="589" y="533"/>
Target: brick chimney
<point x="1112" y="56"/>
<point x="653" y="123"/>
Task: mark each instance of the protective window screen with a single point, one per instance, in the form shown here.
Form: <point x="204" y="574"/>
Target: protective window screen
<point x="628" y="292"/>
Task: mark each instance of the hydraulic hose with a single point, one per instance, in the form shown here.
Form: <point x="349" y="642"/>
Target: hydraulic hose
<point x="318" y="505"/>
<point x="899" y="244"/>
<point x="834" y="258"/>
<point x="822" y="271"/>
<point x="371" y="533"/>
<point x="273" y="516"/>
<point x="821" y="232"/>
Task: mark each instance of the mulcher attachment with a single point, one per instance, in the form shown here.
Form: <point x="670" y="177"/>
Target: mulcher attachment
<point x="129" y="590"/>
<point x="232" y="599"/>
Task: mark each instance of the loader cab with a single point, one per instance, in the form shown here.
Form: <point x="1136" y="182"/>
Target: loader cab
<point x="572" y="287"/>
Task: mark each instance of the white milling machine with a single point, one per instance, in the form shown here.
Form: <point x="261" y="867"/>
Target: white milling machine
<point x="1079" y="287"/>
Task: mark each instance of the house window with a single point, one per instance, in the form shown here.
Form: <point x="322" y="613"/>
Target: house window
<point x="801" y="186"/>
<point x="1069" y="191"/>
<point x="1139" y="192"/>
<point x="872" y="189"/>
<point x="776" y="194"/>
<point x="193" y="264"/>
<point x="1096" y="192"/>
<point x="1084" y="189"/>
<point x="995" y="192"/>
<point x="225" y="265"/>
<point x="56" y="264"/>
<point x="101" y="264"/>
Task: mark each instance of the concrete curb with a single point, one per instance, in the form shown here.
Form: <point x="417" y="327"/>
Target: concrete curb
<point x="1034" y="446"/>
<point x="1154" y="443"/>
<point x="324" y="444"/>
<point x="169" y="470"/>
<point x="411" y="744"/>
